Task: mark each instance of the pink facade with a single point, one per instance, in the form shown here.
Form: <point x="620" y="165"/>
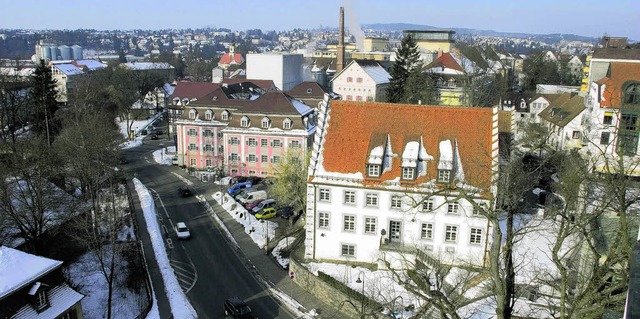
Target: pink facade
<point x="251" y="154"/>
<point x="201" y="145"/>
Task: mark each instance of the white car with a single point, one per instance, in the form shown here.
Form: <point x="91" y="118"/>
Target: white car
<point x="182" y="231"/>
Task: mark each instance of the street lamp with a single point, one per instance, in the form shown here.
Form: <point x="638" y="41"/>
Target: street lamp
<point x="363" y="296"/>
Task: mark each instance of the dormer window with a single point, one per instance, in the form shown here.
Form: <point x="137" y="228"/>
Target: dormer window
<point x="192" y="114"/>
<point x="244" y="122"/>
<point x="42" y="301"/>
<point x="287" y="124"/>
<point x="266" y="122"/>
<point x="39" y="296"/>
<point x="225" y="115"/>
<point x="373" y="170"/>
<point x="408" y="173"/>
<point x="208" y="115"/>
<point x="444" y="176"/>
<point x="185" y="101"/>
<point x="176" y="100"/>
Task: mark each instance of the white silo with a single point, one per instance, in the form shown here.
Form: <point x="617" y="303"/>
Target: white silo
<point x="77" y="52"/>
<point x="65" y="52"/>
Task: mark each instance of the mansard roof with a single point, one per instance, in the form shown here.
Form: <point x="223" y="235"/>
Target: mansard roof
<point x="563" y="109"/>
<point x="357" y="130"/>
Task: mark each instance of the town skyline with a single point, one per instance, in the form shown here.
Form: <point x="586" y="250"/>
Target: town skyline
<point x="542" y="17"/>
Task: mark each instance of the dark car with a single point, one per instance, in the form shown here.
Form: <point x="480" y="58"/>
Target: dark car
<point x="284" y="211"/>
<point x="185" y="191"/>
<point x="159" y="132"/>
<point x="237" y="308"/>
<point x="154" y="136"/>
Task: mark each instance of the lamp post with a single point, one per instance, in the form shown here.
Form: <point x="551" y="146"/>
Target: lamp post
<point x="363" y="296"/>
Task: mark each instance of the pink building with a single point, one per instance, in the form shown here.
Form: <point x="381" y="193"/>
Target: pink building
<point x="242" y="130"/>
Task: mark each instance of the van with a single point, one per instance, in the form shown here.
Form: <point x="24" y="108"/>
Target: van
<point x="252" y="196"/>
<point x="237" y="186"/>
<point x="264" y="204"/>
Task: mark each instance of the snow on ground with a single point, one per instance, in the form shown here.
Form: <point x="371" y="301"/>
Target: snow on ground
<point x="85" y="275"/>
<point x="180" y="306"/>
<point x="378" y="285"/>
<point x="276" y="253"/>
<point x="136" y="127"/>
<point x="257" y="229"/>
<point x="162" y="156"/>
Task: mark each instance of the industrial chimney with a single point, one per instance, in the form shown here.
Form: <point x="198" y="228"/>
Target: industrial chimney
<point x="340" y="55"/>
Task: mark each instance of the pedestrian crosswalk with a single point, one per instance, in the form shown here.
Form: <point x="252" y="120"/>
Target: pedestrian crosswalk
<point x="185" y="273"/>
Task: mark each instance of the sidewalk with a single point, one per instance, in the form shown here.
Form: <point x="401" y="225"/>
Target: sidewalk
<point x="266" y="266"/>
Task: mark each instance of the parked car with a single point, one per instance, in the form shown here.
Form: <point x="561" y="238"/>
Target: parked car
<point x="268" y="212"/>
<point x="252" y="196"/>
<point x="264" y="204"/>
<point x="237" y="186"/>
<point x="182" y="231"/>
<point x="240" y="192"/>
<point x="154" y="136"/>
<point x="159" y="132"/>
<point x="185" y="191"/>
<point x="237" y="308"/>
<point x="284" y="211"/>
<point x="249" y="206"/>
<point x="144" y="132"/>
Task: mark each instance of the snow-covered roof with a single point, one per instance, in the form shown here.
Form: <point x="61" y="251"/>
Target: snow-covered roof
<point x="18" y="269"/>
<point x="376" y="72"/>
<point x="410" y="154"/>
<point x="61" y="298"/>
<point x="148" y="65"/>
<point x="68" y="69"/>
<point x="375" y="156"/>
<point x="300" y="107"/>
<point x="91" y="64"/>
<point x="446" y="155"/>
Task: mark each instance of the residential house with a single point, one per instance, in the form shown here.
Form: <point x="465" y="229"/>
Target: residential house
<point x="34" y="287"/>
<point x="385" y="180"/>
<point x="562" y="119"/>
<point x="67" y="73"/>
<point x="362" y="80"/>
<point x="242" y="130"/>
<point x="449" y="74"/>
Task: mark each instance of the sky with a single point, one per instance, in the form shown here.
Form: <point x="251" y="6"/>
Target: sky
<point x="585" y="17"/>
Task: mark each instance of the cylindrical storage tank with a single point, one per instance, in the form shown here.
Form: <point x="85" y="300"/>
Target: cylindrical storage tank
<point x="50" y="53"/>
<point x="77" y="52"/>
<point x="319" y="76"/>
<point x="65" y="52"/>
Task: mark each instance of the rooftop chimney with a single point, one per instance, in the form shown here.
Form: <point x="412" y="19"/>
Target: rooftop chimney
<point x="340" y="55"/>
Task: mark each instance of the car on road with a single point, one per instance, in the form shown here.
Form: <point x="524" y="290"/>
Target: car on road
<point x="266" y="213"/>
<point x="185" y="191"/>
<point x="237" y="308"/>
<point x="182" y="231"/>
<point x="284" y="211"/>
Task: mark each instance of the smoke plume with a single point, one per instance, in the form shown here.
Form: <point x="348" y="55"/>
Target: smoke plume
<point x="353" y="23"/>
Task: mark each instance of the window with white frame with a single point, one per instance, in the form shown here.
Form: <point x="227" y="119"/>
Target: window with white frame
<point x="225" y="115"/>
<point x="234" y="157"/>
<point x="408" y="173"/>
<point x="252" y="158"/>
<point x="234" y="140"/>
<point x="192" y="162"/>
<point x="453" y="208"/>
<point x="426" y="231"/>
<point x="207" y="163"/>
<point x="275" y="159"/>
<point x="244" y="121"/>
<point x="373" y="170"/>
<point x="427" y="205"/>
<point x="193" y="147"/>
<point x="208" y="148"/>
<point x="42" y="299"/>
<point x="287" y="124"/>
<point x="192" y="114"/>
<point x="295" y="144"/>
<point x="349" y="223"/>
<point x="208" y="115"/>
<point x="476" y="236"/>
<point x="252" y="141"/>
<point x="396" y="201"/>
<point x="325" y="195"/>
<point x="264" y="158"/>
<point x="323" y="220"/>
<point x="444" y="175"/>
<point x="192" y="132"/>
<point x="450" y="233"/>
<point x="207" y="133"/>
<point x="370" y="224"/>
<point x="266" y="122"/>
<point x="276" y="143"/>
<point x="348" y="250"/>
<point x="371" y="200"/>
<point x="349" y="197"/>
<point x="264" y="142"/>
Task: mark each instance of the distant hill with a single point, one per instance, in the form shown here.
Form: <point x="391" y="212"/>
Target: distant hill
<point x="555" y="37"/>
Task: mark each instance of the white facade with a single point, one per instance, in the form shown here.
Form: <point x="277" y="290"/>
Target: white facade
<point x="356" y="83"/>
<point x="285" y="70"/>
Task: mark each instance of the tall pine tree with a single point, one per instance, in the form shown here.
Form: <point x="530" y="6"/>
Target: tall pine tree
<point x="43" y="95"/>
<point x="407" y="59"/>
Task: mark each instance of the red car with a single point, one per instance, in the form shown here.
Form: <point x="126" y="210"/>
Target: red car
<point x="251" y="205"/>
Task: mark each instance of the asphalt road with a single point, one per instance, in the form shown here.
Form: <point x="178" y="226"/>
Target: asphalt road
<point x="207" y="267"/>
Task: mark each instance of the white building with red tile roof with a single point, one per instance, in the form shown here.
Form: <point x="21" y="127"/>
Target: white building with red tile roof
<point x="230" y="58"/>
<point x="362" y="80"/>
<point x="387" y="180"/>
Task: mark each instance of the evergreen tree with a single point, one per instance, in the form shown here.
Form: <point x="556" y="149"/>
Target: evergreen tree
<point x="418" y="88"/>
<point x="43" y="95"/>
<point x="407" y="59"/>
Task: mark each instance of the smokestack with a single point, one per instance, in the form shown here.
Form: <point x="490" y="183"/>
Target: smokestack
<point x="340" y="55"/>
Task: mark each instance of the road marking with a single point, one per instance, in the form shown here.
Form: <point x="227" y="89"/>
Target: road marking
<point x="170" y="243"/>
<point x="164" y="229"/>
<point x="186" y="273"/>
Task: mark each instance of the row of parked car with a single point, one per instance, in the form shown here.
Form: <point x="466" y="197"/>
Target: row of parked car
<point x="257" y="202"/>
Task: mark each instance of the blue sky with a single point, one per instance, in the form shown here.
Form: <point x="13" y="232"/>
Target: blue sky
<point x="585" y="17"/>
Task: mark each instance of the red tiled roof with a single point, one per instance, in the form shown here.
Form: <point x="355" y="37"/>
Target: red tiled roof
<point x="229" y="59"/>
<point x="620" y="73"/>
<point x="447" y="61"/>
<point x="193" y="90"/>
<point x="353" y="126"/>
